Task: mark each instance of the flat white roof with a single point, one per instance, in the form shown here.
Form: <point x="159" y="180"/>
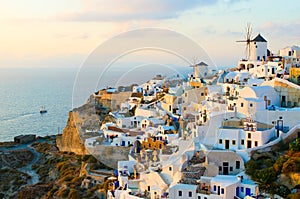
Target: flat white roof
<point x="185" y="186"/>
<point x="225" y="180"/>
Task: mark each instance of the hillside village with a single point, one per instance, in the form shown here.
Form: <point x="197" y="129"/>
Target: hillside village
<point x="175" y="137"/>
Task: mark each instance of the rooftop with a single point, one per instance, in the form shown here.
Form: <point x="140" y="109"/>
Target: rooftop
<point x="185" y="186"/>
<point x="259" y="38"/>
<point x="225" y="180"/>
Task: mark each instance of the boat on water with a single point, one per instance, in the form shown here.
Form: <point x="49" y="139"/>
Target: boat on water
<point x="43" y="110"/>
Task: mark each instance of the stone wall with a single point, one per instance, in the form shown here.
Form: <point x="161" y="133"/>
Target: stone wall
<point x="110" y="155"/>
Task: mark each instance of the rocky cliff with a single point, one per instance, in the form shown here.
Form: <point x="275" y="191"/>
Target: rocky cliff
<point x="84" y="122"/>
<point x="70" y="140"/>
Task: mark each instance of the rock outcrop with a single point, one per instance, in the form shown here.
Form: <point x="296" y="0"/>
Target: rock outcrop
<point x="70" y="140"/>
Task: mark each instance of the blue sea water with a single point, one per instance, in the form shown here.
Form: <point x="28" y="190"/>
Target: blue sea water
<point x="24" y="90"/>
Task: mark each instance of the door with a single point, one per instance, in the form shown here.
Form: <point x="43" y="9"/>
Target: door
<point x="237" y="191"/>
<point x="249" y="144"/>
<point x="123" y="143"/>
<point x="218" y="190"/>
<point x="283" y="103"/>
<point x="248" y="191"/>
<point x="225" y="168"/>
<point x="226" y="144"/>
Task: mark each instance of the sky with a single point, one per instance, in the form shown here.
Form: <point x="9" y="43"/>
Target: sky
<point x="62" y="33"/>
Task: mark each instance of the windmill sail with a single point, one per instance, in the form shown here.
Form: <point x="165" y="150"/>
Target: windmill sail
<point x="247" y="40"/>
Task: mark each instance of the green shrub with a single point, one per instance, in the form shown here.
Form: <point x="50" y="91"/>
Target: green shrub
<point x="74" y="194"/>
<point x="291" y="165"/>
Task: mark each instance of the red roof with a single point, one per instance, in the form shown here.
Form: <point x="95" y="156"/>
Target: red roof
<point x="116" y="129"/>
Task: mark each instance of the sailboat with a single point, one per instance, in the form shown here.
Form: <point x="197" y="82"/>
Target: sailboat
<point x="43" y="110"/>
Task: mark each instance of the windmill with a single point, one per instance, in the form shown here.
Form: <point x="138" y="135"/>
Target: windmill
<point x="247" y="40"/>
<point x="195" y="67"/>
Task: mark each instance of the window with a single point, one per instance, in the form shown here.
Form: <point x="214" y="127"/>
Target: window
<point x="185" y="94"/>
<point x="220" y="141"/>
<point x="215" y="188"/>
<point x="199" y="197"/>
<point x="148" y="188"/>
<point x="251" y="105"/>
<point x="233" y="142"/>
<point x="220" y="168"/>
<point x="179" y="193"/>
<point x="256" y="143"/>
<point x="237" y="165"/>
<point x="242" y="189"/>
<point x="190" y="194"/>
<point x="170" y="168"/>
<point x="242" y="104"/>
<point x="202" y="94"/>
<point x="205" y="197"/>
<point x="249" y="135"/>
<point x="242" y="141"/>
<point x="222" y="191"/>
<point x="230" y="168"/>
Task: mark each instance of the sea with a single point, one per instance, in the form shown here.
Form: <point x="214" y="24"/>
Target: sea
<point x="24" y="90"/>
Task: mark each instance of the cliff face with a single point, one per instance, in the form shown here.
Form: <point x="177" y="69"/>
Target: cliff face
<point x="88" y="117"/>
<point x="70" y="140"/>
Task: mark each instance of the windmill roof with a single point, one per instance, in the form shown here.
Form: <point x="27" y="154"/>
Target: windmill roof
<point x="202" y="64"/>
<point x="259" y="38"/>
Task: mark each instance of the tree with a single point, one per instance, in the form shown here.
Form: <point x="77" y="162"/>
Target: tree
<point x="295" y="146"/>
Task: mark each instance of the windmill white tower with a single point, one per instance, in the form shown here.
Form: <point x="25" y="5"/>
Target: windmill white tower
<point x="256" y="49"/>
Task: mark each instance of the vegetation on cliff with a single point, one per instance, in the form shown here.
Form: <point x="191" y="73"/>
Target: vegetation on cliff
<point x="277" y="172"/>
<point x="11" y="161"/>
<point x="61" y="174"/>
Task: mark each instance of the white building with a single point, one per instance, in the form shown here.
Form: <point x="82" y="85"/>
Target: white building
<point x="234" y="137"/>
<point x="182" y="191"/>
<point x="146" y="112"/>
<point x="290" y="51"/>
<point x="258" y="49"/>
<point x="218" y="187"/>
<point x="124" y="140"/>
<point x="130" y="122"/>
<point x="254" y="98"/>
<point x="151" y="122"/>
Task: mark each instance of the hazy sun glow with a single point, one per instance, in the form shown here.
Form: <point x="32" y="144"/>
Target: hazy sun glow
<point x="63" y="32"/>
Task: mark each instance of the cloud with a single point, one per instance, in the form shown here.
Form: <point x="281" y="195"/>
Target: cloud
<point x="290" y="29"/>
<point x="119" y="10"/>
